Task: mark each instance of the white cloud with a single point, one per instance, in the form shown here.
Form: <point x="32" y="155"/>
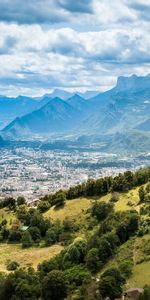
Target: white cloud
<point x="87" y="50"/>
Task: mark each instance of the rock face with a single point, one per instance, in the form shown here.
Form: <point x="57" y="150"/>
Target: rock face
<point x="125" y="107"/>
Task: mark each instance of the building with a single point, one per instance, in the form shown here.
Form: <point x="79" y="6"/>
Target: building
<point x="133" y="293"/>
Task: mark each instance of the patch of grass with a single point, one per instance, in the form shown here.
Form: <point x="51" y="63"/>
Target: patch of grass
<point x="77" y="208"/>
<point x="26" y="257"/>
<point x="5" y="213"/>
<point x="128" y="201"/>
<point x="140" y="276"/>
<point x="74" y="209"/>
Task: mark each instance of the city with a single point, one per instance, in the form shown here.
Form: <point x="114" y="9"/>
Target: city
<point x="35" y="172"/>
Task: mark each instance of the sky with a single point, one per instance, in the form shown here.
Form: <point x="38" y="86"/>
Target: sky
<point x="71" y="44"/>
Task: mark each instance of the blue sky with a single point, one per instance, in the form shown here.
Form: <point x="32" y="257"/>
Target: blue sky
<point x="71" y="44"/>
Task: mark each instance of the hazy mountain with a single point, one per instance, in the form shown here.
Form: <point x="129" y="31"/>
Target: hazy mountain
<point x="123" y="107"/>
<point x="78" y="102"/>
<point x="128" y="142"/>
<point x="133" y="83"/>
<point x="65" y="95"/>
<point x="10" y="108"/>
<point x="120" y="109"/>
<point x="88" y="94"/>
<point x="60" y="94"/>
<point x="56" y="116"/>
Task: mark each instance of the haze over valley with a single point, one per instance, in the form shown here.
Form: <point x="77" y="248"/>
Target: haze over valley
<point x="60" y="139"/>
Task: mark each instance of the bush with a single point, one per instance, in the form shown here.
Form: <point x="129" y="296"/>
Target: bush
<point x="50" y="237"/>
<point x="125" y="268"/>
<point x="26" y="240"/>
<point x="77" y="275"/>
<point x="101" y="210"/>
<point x="12" y="266"/>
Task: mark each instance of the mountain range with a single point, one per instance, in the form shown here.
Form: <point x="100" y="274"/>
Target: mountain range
<point x="124" y="108"/>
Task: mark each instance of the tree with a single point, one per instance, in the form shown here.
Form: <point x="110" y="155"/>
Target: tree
<point x="9" y="202"/>
<point x="50" y="237"/>
<point x="54" y="286"/>
<point x="21" y="200"/>
<point x="92" y="260"/>
<point x="133" y="224"/>
<point x="109" y="287"/>
<point x="104" y="250"/>
<point x="15" y="233"/>
<point x="74" y="254"/>
<point x="146" y="293"/>
<point x="141" y="194"/>
<point x="35" y="233"/>
<point x="43" y="206"/>
<point x="101" y="210"/>
<point x="26" y="240"/>
<point x="122" y="233"/>
<point x="125" y="268"/>
<point x="76" y="274"/>
<point x="59" y="199"/>
<point x="115" y="273"/>
<point x="20" y="285"/>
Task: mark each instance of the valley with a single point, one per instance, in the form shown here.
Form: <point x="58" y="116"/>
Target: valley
<point x="33" y="172"/>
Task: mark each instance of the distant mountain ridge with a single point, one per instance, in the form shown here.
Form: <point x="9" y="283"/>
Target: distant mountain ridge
<point x="122" y="108"/>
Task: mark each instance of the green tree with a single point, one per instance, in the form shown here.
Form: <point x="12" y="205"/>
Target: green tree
<point x="35" y="233"/>
<point x="125" y="268"/>
<point x="101" y="210"/>
<point x="21" y="200"/>
<point x="141" y="194"/>
<point x="92" y="260"/>
<point x="50" y="237"/>
<point x="54" y="286"/>
<point x="59" y="199"/>
<point x="108" y="287"/>
<point x="43" y="206"/>
<point x="26" y="240"/>
<point x="74" y="254"/>
<point x="76" y="274"/>
<point x="146" y="293"/>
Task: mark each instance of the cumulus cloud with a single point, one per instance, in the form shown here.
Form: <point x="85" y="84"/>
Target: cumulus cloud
<point x="41" y="11"/>
<point x="84" y="44"/>
<point x="80" y="6"/>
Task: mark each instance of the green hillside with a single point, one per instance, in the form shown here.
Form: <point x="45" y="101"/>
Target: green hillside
<point x="93" y="238"/>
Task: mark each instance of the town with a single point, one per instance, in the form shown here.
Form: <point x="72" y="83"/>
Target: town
<point x="34" y="172"/>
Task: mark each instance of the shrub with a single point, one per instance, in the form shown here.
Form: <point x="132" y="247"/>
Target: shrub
<point x="12" y="266"/>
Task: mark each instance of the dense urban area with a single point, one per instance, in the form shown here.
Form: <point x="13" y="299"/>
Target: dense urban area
<point x="34" y="172"/>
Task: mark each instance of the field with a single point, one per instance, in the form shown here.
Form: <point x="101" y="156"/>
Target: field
<point x="141" y="275"/>
<point x="74" y="209"/>
<point x="77" y="208"/>
<point x="25" y="257"/>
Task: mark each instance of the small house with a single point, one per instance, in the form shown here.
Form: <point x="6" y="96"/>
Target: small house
<point x="133" y="293"/>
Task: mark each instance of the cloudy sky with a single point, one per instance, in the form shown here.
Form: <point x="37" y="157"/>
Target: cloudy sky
<point x="71" y="44"/>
